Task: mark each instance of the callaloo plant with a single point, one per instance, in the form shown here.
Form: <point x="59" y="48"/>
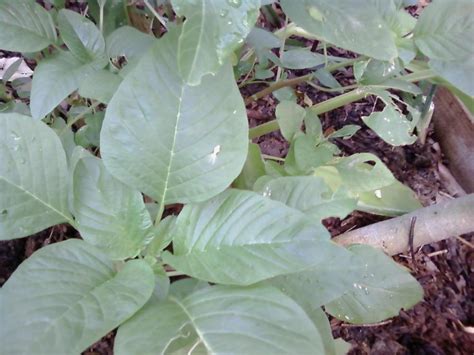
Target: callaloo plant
<point x="135" y="106"/>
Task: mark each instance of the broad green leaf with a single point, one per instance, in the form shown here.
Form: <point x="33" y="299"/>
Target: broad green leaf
<point x="325" y="77"/>
<point x="55" y="79"/>
<point x="83" y="38"/>
<point x="458" y="73"/>
<point x="240" y="238"/>
<point x="285" y="93"/>
<point x="385" y="288"/>
<point x="313" y="127"/>
<point x="445" y="30"/>
<point x="377" y="71"/>
<point x="129" y="42"/>
<point x="391" y="125"/>
<point x="290" y="117"/>
<point x="399" y="84"/>
<point x="109" y="214"/>
<point x="262" y="40"/>
<point x="301" y="58"/>
<point x="392" y="200"/>
<point x="359" y="176"/>
<point x="115" y="14"/>
<point x="66" y="296"/>
<point x="89" y="134"/>
<point x="350" y="24"/>
<point x="25" y="26"/>
<point x="100" y="85"/>
<point x="160" y="138"/>
<point x="311" y="195"/>
<point x="33" y="177"/>
<point x="221" y="320"/>
<point x="212" y="31"/>
<point x="304" y="155"/>
<point x="316" y="286"/>
<point x="254" y="168"/>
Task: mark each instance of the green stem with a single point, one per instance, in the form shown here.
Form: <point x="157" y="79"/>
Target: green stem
<point x="156" y="14"/>
<point x="101" y="19"/>
<point x="337" y="102"/>
<point x="295" y="81"/>
<point x="271" y="157"/>
<point x="159" y="215"/>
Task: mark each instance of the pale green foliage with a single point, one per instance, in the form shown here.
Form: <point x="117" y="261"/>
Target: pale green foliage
<point x="109" y="214"/>
<point x="168" y="122"/>
<point x="67" y="296"/>
<point x="212" y="31"/>
<point x="158" y="137"/>
<point x="25" y="26"/>
<point x="33" y="177"/>
<point x="222" y="320"/>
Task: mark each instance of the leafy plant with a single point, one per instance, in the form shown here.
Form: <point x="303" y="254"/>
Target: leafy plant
<point x="260" y="263"/>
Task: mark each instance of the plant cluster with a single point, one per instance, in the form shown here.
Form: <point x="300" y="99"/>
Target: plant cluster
<point x="122" y="124"/>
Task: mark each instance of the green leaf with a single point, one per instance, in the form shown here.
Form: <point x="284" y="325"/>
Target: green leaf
<point x="66" y="296"/>
<point x="385" y="288"/>
<point x="392" y="200"/>
<point x="221" y="320"/>
<point x="240" y="238"/>
<point x="100" y="85"/>
<point x="310" y="195"/>
<point x="345" y="132"/>
<point x="114" y="14"/>
<point x="445" y="30"/>
<point x="377" y="71"/>
<point x="109" y="214"/>
<point x="83" y="38"/>
<point x="458" y="73"/>
<point x="359" y="176"/>
<point x="33" y="177"/>
<point x="301" y="58"/>
<point x="26" y="26"/>
<point x="350" y="24"/>
<point x="129" y="42"/>
<point x="212" y="31"/>
<point x="89" y="134"/>
<point x="55" y="79"/>
<point x="290" y="117"/>
<point x="162" y="236"/>
<point x="160" y="138"/>
<point x="391" y="125"/>
<point x="304" y="155"/>
<point x="254" y="168"/>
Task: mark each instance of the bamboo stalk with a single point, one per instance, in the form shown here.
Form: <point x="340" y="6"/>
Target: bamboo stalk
<point x="433" y="224"/>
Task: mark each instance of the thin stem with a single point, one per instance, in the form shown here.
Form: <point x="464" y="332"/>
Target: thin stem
<point x="156" y="14"/>
<point x="337" y="102"/>
<point x="296" y="81"/>
<point x="340" y="89"/>
<point x="280" y="53"/>
<point x="101" y="19"/>
<point x="271" y="157"/>
<point x="159" y="215"/>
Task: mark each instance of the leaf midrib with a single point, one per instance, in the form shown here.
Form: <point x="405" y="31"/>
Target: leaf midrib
<point x="36" y="198"/>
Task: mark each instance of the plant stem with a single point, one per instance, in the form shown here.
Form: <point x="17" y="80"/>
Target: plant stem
<point x="101" y="19"/>
<point x="336" y="102"/>
<point x="297" y="80"/>
<point x="156" y="14"/>
<point x="159" y="215"/>
<point x="271" y="157"/>
<point x="433" y="223"/>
